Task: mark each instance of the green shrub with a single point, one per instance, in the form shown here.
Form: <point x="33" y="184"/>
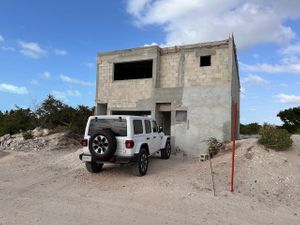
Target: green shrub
<point x="251" y="128"/>
<point x="15" y="120"/>
<point x="275" y="138"/>
<point x="214" y="146"/>
<point x="27" y="135"/>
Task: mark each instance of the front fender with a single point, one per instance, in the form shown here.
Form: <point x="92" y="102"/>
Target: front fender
<point x="164" y="141"/>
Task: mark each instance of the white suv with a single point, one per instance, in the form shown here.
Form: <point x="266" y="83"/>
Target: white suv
<point x="122" y="139"/>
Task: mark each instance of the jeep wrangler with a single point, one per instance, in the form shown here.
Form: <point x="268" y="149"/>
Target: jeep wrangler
<point x="122" y="139"/>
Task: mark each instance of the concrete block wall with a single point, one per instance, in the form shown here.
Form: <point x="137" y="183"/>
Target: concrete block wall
<point x="124" y="94"/>
<point x="206" y="93"/>
<point x="217" y="73"/>
<point x="169" y="73"/>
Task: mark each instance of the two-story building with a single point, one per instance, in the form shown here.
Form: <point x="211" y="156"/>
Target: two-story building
<point x="189" y="89"/>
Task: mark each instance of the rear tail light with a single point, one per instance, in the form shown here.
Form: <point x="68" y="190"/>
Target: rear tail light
<point x="84" y="142"/>
<point x="129" y="143"/>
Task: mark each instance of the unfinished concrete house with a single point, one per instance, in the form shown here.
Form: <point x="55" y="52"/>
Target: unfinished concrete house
<point x="189" y="89"/>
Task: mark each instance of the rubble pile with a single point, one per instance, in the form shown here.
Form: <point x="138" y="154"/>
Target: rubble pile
<point x="41" y="140"/>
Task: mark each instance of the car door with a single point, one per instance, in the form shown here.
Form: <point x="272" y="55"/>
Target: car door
<point x="148" y="135"/>
<point x="138" y="131"/>
<point x="155" y="136"/>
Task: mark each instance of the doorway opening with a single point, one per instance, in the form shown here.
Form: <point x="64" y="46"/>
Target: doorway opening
<point x="164" y="116"/>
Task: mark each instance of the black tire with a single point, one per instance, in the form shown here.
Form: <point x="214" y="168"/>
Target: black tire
<point x="93" y="167"/>
<point x="141" y="167"/>
<point x="166" y="152"/>
<point x="103" y="145"/>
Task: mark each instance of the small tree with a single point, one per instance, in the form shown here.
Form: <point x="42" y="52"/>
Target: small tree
<point x="53" y="113"/>
<point x="291" y="119"/>
<point x="81" y="116"/>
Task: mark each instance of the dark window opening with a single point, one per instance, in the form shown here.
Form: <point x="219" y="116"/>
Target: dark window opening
<point x="133" y="70"/>
<point x="137" y="127"/>
<point x="132" y="113"/>
<point x="181" y="116"/>
<point x="205" y="60"/>
<point x="148" y="126"/>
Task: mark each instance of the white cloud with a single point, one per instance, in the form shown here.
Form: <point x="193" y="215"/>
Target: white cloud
<point x="64" y="95"/>
<point x="243" y="92"/>
<point x="32" y="49"/>
<point x="60" y="52"/>
<point x="152" y="44"/>
<point x="89" y="64"/>
<point x="271" y="68"/>
<point x="1" y="39"/>
<point x="46" y="75"/>
<point x="291" y="99"/>
<point x="292" y="49"/>
<point x="73" y="93"/>
<point x="9" y="88"/>
<point x="254" y="79"/>
<point x="75" y="81"/>
<point x="136" y="6"/>
<point x="10" y="49"/>
<point x="34" y="82"/>
<point x="197" y="21"/>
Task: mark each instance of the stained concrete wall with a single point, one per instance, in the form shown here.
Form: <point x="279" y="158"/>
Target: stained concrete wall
<point x="206" y="93"/>
<point x="208" y="115"/>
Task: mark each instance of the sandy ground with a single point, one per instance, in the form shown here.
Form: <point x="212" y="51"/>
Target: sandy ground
<point x="53" y="187"/>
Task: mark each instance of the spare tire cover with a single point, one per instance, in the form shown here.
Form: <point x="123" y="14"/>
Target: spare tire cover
<point x="103" y="145"/>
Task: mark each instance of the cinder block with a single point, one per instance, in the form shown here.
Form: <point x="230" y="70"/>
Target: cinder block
<point x="203" y="157"/>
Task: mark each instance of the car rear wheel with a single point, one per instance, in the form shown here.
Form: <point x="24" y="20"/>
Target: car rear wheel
<point x="141" y="167"/>
<point x="93" y="167"/>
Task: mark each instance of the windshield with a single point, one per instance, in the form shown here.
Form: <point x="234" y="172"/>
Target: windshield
<point x="118" y="126"/>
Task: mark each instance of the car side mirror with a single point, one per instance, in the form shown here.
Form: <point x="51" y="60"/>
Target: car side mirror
<point x="160" y="129"/>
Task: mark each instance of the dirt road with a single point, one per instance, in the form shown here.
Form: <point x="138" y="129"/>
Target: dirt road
<point x="54" y="188"/>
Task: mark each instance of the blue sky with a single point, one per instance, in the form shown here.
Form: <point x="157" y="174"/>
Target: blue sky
<point x="50" y="47"/>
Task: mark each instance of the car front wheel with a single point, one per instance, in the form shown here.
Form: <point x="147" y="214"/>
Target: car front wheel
<point x="166" y="152"/>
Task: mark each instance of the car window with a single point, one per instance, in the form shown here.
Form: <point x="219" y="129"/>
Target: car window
<point x="154" y="127"/>
<point x="148" y="126"/>
<point x="118" y="126"/>
<point x="137" y="127"/>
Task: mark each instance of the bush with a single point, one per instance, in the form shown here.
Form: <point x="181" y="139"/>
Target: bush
<point x="251" y="128"/>
<point x="214" y="146"/>
<point x="27" y="135"/>
<point x="16" y="120"/>
<point x="291" y="119"/>
<point x="52" y="114"/>
<point x="275" y="138"/>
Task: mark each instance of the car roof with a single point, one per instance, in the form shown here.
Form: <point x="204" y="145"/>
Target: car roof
<point x="118" y="116"/>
